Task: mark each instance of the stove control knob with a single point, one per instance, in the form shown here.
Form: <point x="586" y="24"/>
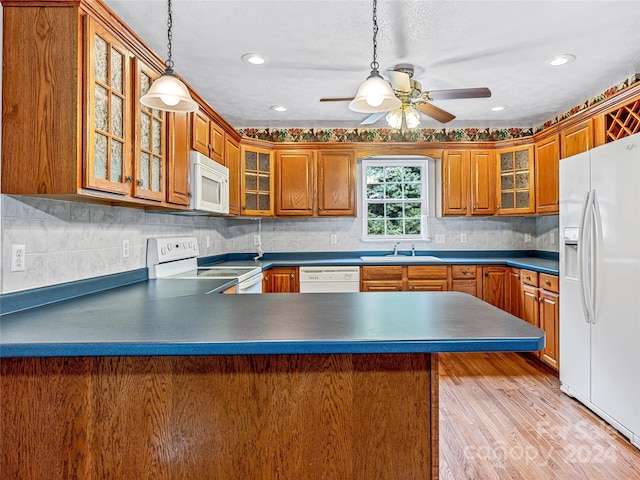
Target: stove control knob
<point x="163" y="251"/>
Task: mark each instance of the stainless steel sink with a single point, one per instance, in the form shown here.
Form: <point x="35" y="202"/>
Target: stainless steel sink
<point x="401" y="259"/>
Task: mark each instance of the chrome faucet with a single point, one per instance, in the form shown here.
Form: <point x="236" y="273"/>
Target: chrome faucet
<point x="395" y="248"/>
<point x="413" y="250"/>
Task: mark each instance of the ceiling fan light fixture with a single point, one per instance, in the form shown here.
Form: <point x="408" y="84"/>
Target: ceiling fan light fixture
<point x="394" y="118"/>
<point x="412" y="117"/>
<point x="167" y="92"/>
<point x="375" y="95"/>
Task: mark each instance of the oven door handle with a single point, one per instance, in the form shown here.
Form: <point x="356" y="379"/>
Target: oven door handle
<point x="250" y="282"/>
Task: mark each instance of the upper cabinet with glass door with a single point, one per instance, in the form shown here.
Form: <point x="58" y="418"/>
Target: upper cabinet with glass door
<point x="108" y="160"/>
<point x="150" y="141"/>
<point x="516" y="181"/>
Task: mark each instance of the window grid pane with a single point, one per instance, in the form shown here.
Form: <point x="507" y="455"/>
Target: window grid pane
<point x="394" y="200"/>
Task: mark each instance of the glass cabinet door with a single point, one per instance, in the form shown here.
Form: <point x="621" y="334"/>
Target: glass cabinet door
<point x="257" y="182"/>
<point x="150" y="141"/>
<point x="515" y="183"/>
<point x="108" y="97"/>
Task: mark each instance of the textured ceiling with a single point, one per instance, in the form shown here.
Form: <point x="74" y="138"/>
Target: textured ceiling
<point x="324" y="48"/>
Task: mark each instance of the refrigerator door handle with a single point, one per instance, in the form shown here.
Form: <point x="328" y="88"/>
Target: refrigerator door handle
<point x="584" y="252"/>
<point x="596" y="283"/>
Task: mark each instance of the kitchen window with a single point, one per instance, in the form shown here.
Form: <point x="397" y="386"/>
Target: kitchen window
<point x="395" y="197"/>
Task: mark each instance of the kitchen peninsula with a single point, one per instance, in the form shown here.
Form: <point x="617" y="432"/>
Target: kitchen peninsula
<point x="150" y="381"/>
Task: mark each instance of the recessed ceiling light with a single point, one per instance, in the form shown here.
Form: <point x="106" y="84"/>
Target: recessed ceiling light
<point x="278" y="108"/>
<point x="255" y="58"/>
<point x="497" y="109"/>
<point x="560" y="60"/>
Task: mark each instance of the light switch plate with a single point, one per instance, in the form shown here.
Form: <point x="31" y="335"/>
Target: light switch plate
<point x="441" y="238"/>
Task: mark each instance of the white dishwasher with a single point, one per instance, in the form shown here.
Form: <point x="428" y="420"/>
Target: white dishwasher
<point x="329" y="279"/>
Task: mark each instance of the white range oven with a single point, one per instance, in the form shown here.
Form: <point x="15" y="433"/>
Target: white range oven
<point x="175" y="258"/>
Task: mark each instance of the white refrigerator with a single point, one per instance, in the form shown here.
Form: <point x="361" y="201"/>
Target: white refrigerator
<point x="600" y="282"/>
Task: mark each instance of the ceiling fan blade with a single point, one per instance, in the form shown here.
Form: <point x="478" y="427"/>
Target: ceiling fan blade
<point x="373" y="118"/>
<point x="435" y="112"/>
<point x="399" y="81"/>
<point x="337" y="99"/>
<point x="460" y="93"/>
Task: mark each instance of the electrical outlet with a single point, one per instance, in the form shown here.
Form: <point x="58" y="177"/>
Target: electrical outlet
<point x="334" y="239"/>
<point x="208" y="241"/>
<point x="527" y="238"/>
<point x="256" y="239"/>
<point x="18" y="258"/>
<point x="441" y="238"/>
<point x="552" y="239"/>
<point x="125" y="248"/>
<point x="463" y="238"/>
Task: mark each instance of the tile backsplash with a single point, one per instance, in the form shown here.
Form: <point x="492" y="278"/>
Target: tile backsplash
<point x="67" y="241"/>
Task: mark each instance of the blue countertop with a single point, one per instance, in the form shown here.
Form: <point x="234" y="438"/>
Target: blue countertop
<point x="133" y="320"/>
<point x="189" y="317"/>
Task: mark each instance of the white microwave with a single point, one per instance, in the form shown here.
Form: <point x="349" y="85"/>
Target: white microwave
<point x="209" y="186"/>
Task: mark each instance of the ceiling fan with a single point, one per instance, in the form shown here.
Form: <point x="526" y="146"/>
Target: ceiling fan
<point x="415" y="100"/>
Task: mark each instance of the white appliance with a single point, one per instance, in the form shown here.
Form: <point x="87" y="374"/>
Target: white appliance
<point x="175" y="258"/>
<point x="209" y="186"/>
<point x="600" y="282"/>
<point x="329" y="279"/>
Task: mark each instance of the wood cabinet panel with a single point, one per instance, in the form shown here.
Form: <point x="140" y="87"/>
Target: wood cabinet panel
<point x="549" y="315"/>
<point x="336" y="183"/>
<point x="207" y="137"/>
<point x="294" y="182"/>
<point x="381" y="286"/>
<point x="190" y="417"/>
<point x="427" y="272"/>
<point x="232" y="160"/>
<point x="529" y="277"/>
<point x="483" y="182"/>
<point x="178" y="178"/>
<point x="382" y="272"/>
<point x="494" y="280"/>
<point x="514" y="293"/>
<point x="547" y="158"/>
<point x="281" y="280"/>
<point x="576" y="139"/>
<point x="466" y="279"/>
<point x="530" y="310"/>
<point x="455" y="181"/>
<point x="428" y="285"/>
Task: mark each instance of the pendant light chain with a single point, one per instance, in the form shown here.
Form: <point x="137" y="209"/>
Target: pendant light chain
<point x="169" y="62"/>
<point x="374" y="63"/>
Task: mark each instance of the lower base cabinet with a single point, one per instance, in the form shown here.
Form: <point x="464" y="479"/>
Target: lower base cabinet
<point x="397" y="278"/>
<point x="281" y="280"/>
<point x="465" y="278"/>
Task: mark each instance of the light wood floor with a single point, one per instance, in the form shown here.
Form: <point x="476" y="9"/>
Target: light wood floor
<point x="502" y="416"/>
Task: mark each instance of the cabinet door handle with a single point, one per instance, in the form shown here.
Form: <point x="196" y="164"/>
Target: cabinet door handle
<point x="190" y="194"/>
<point x="464" y="272"/>
<point x="411" y="289"/>
<point x="518" y="276"/>
<point x="540" y="300"/>
<point x="310" y="208"/>
<point x="497" y="207"/>
<point x="139" y="183"/>
<point x="475" y="207"/>
<point x="486" y="274"/>
<point x="464" y="207"/>
<point x="128" y="179"/>
<point x="547" y="282"/>
<point x="292" y="276"/>
<point x="400" y="289"/>
<point x="528" y="277"/>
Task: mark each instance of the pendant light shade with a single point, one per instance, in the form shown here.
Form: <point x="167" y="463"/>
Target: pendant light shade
<point x="375" y="95"/>
<point x="167" y="92"/>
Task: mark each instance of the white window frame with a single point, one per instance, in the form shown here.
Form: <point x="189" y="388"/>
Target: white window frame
<point x="426" y="200"/>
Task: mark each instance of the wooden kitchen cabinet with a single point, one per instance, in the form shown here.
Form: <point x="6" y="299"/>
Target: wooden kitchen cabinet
<point x="382" y="278"/>
<point x="281" y="280"/>
<point x="513" y="296"/>
<point x="515" y="189"/>
<point x="256" y="176"/>
<point x="469" y="182"/>
<point x="207" y="137"/>
<point x="150" y="140"/>
<point x="467" y="279"/>
<point x="315" y="182"/>
<point x="547" y="169"/>
<point x="576" y="139"/>
<point x="232" y="160"/>
<point x="178" y="165"/>
<point x="427" y="278"/>
<point x="494" y="281"/>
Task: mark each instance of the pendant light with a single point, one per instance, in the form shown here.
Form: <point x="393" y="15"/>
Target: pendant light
<point x="375" y="94"/>
<point x="167" y="92"/>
